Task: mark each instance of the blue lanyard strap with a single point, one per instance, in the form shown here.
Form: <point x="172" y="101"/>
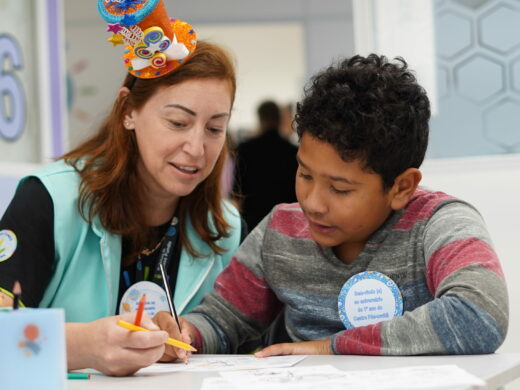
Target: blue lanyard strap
<point x="167" y="249"/>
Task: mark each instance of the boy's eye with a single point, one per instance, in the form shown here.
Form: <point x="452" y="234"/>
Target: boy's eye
<point x="341" y="192"/>
<point x="304" y="176"/>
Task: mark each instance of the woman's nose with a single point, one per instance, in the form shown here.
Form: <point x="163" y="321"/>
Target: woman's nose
<point x="194" y="143"/>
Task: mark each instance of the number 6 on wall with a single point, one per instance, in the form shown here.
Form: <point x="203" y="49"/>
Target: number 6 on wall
<point x="12" y="116"/>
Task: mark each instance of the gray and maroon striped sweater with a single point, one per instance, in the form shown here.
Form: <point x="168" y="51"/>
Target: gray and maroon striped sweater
<point x="437" y="250"/>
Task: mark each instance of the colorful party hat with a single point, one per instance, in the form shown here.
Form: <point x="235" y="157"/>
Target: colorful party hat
<point x="155" y="43"/>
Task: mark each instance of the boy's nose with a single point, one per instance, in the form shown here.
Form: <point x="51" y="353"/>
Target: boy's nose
<point x="314" y="203"/>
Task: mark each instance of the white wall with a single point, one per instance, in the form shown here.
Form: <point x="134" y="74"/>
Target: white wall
<point x="492" y="185"/>
<point x="258" y="49"/>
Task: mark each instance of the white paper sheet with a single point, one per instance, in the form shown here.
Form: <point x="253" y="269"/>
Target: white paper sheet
<point x="330" y="378"/>
<point x="223" y="363"/>
<point x="310" y="377"/>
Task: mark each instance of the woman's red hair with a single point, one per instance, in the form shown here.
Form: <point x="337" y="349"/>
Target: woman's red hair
<point x="107" y="163"/>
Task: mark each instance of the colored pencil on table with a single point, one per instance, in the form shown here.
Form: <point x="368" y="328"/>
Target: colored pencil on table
<point x="175" y="343"/>
<point x="78" y="375"/>
<point x="140" y="308"/>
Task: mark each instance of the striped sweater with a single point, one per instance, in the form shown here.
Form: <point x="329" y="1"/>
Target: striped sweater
<point x="436" y="249"/>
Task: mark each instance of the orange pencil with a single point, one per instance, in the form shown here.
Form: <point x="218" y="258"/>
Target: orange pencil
<point x="140" y="309"/>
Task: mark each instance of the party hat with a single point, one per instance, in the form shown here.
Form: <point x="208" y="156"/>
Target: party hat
<point x="155" y="43"/>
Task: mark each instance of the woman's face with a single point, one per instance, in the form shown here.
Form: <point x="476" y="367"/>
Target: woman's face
<point x="180" y="133"/>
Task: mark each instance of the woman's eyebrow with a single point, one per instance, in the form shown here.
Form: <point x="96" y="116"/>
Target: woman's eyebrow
<point x="193" y="113"/>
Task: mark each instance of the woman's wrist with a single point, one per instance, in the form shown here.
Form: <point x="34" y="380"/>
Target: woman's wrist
<point x="77" y="349"/>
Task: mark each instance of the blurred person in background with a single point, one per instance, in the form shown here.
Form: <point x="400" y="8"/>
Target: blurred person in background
<point x="265" y="167"/>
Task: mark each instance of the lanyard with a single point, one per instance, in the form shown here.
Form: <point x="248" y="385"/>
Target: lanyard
<point x="169" y="254"/>
<point x="167" y="249"/>
<point x="166" y="253"/>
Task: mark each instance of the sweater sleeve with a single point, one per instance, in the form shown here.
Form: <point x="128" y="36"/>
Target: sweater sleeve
<point x="242" y="306"/>
<point x="469" y="310"/>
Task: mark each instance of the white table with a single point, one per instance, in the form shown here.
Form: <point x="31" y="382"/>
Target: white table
<point x="496" y="370"/>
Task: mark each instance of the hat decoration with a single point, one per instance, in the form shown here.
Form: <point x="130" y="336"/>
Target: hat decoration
<point x="155" y="43"/>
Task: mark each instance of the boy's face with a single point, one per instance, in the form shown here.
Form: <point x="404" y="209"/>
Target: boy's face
<point x="343" y="203"/>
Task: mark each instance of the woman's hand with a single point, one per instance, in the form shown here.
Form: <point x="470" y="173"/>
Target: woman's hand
<point x="318" y="347"/>
<point x="165" y="321"/>
<point x="111" y="349"/>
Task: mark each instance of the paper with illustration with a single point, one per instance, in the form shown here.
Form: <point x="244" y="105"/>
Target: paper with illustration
<point x="330" y="378"/>
<point x="223" y="363"/>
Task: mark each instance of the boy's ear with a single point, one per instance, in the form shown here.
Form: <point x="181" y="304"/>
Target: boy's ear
<point x="404" y="186"/>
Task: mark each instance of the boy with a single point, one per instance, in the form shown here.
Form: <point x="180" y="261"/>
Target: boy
<point x="363" y="128"/>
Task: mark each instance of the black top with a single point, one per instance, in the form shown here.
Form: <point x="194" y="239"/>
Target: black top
<point x="30" y="215"/>
<point x="265" y="175"/>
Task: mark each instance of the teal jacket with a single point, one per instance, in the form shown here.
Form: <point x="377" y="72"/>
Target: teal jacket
<point x="85" y="281"/>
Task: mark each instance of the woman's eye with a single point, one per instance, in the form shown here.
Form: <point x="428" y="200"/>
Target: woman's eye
<point x="215" y="130"/>
<point x="304" y="176"/>
<point x="176" y="123"/>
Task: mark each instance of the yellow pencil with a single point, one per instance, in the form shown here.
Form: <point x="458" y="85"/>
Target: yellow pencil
<point x="175" y="343"/>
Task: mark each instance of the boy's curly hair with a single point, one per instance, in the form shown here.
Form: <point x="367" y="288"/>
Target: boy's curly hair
<point x="368" y="109"/>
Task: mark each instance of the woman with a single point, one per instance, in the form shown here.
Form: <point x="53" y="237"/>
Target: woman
<point x="93" y="224"/>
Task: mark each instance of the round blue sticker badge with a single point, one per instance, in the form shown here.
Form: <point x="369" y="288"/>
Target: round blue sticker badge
<point x="156" y="300"/>
<point x="367" y="298"/>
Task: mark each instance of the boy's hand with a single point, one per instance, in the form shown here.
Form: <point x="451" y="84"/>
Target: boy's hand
<point x="166" y="322"/>
<point x="318" y="347"/>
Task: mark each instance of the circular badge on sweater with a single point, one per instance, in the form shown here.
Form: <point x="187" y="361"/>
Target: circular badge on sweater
<point x="156" y="300"/>
<point x="368" y="298"/>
